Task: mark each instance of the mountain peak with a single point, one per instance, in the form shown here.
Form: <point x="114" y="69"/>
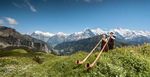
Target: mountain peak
<point x="98" y="31"/>
<point x="61" y="34"/>
<point x="87" y="30"/>
<point x="6" y="28"/>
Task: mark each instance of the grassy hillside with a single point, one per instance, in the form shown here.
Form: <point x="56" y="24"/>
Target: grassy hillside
<point x="120" y="62"/>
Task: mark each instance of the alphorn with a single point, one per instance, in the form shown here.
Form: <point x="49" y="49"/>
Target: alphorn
<point x="88" y="65"/>
<point x="81" y="62"/>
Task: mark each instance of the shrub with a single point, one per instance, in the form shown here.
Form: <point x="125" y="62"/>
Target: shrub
<point x="38" y="59"/>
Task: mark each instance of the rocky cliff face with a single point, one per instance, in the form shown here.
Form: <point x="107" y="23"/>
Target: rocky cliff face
<point x="10" y="37"/>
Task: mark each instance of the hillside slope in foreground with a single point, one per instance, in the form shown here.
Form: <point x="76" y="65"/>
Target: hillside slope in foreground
<point x="133" y="61"/>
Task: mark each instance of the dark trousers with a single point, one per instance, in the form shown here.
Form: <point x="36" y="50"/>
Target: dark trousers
<point x="111" y="46"/>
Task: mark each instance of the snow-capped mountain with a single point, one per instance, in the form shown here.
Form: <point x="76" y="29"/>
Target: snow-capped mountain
<point x="44" y="36"/>
<point x="54" y="39"/>
<point x="81" y="35"/>
<point x="125" y="35"/>
<point x="62" y="37"/>
<point x="132" y="36"/>
<point x="98" y="31"/>
<point x="57" y="38"/>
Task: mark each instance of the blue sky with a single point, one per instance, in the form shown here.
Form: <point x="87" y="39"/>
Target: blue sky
<point x="70" y="16"/>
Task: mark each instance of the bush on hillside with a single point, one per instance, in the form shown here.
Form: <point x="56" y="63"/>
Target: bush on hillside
<point x="38" y="59"/>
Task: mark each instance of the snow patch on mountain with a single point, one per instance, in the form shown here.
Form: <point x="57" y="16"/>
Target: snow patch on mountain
<point x="87" y="33"/>
<point x="61" y="34"/>
<point x="44" y="36"/>
<point x="130" y="34"/>
<point x="57" y="38"/>
<point x="47" y="34"/>
<point x="98" y="31"/>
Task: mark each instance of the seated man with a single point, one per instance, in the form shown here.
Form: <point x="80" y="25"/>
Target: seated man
<point x="111" y="41"/>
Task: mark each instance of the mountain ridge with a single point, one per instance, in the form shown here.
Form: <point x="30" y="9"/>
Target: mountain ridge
<point x="127" y="35"/>
<point x="9" y="37"/>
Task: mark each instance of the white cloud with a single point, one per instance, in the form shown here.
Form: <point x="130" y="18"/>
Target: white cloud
<point x="25" y="4"/>
<point x="32" y="8"/>
<point x="8" y="21"/>
<point x="11" y="21"/>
